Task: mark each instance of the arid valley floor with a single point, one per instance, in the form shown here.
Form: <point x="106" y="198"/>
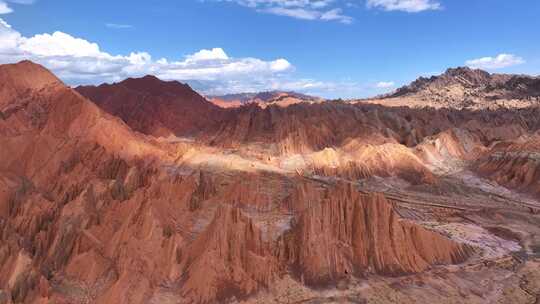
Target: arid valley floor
<point x="144" y="191"/>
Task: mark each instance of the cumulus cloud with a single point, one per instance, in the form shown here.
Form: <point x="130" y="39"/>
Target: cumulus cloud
<point x="385" y="84"/>
<point x="210" y="71"/>
<point x="323" y="10"/>
<point x="79" y="61"/>
<point x="498" y="62"/>
<point x="4" y="8"/>
<point x="59" y="44"/>
<point x="410" y="6"/>
<point x="206" y="55"/>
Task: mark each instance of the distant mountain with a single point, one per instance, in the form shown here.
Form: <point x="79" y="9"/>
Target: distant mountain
<point x="152" y="106"/>
<point x="464" y="87"/>
<point x="263" y="99"/>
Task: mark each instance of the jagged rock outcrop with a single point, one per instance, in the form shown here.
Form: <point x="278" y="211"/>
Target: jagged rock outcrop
<point x="461" y="76"/>
<point x="64" y="164"/>
<point x="305" y="128"/>
<point x="454" y="145"/>
<point x="496" y="86"/>
<point x="228" y="259"/>
<point x="385" y="160"/>
<point x="93" y="212"/>
<point x="464" y="87"/>
<point x="348" y="233"/>
<point x="515" y="164"/>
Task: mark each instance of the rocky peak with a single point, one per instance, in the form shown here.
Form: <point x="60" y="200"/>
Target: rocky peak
<point x="461" y="76"/>
<point x="153" y="106"/>
<point x="463" y="87"/>
<point x="27" y="74"/>
<point x="152" y="85"/>
<point x="20" y="78"/>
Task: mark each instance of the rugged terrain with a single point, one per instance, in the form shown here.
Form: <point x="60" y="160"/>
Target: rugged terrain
<point x="154" y="107"/>
<point x="262" y="99"/>
<point x="467" y="88"/>
<point x="145" y="192"/>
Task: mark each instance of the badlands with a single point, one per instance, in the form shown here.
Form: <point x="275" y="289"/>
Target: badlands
<point x="143" y="191"/>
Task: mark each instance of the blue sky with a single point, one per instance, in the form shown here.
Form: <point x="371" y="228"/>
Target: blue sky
<point x="332" y="48"/>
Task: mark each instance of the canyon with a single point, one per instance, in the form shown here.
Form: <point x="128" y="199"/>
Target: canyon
<point x="144" y="191"/>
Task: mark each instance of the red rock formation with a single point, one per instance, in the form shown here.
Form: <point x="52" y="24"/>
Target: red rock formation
<point x="451" y="146"/>
<point x="347" y="233"/>
<point x="226" y="104"/>
<point x="476" y="82"/>
<point x="16" y="81"/>
<point x="262" y="99"/>
<point x="91" y="211"/>
<point x="62" y="161"/>
<point x="155" y="107"/>
<point x="515" y="164"/>
<point x="228" y="259"/>
<point x="384" y="160"/>
<point x="300" y="128"/>
<point x="305" y="128"/>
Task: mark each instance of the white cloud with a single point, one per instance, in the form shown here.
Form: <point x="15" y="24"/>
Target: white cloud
<point x="308" y="86"/>
<point x="385" y="84"/>
<point x="280" y="65"/>
<point x="59" y="44"/>
<point x="9" y="39"/>
<point x="498" y="62"/>
<point x="21" y="1"/>
<point x="284" y="3"/>
<point x="331" y="10"/>
<point x="207" y="55"/>
<point x="118" y="26"/>
<point x="410" y="6"/>
<point x="323" y="10"/>
<point x="4" y="8"/>
<point x="79" y="61"/>
<point x="298" y="13"/>
<point x="336" y="14"/>
<point x="210" y="71"/>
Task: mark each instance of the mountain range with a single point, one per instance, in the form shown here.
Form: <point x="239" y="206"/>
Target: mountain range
<point x="467" y="88"/>
<point x="263" y="99"/>
<point x="143" y="191"/>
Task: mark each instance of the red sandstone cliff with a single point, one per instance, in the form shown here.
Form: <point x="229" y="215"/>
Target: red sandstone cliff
<point x="347" y="233"/>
